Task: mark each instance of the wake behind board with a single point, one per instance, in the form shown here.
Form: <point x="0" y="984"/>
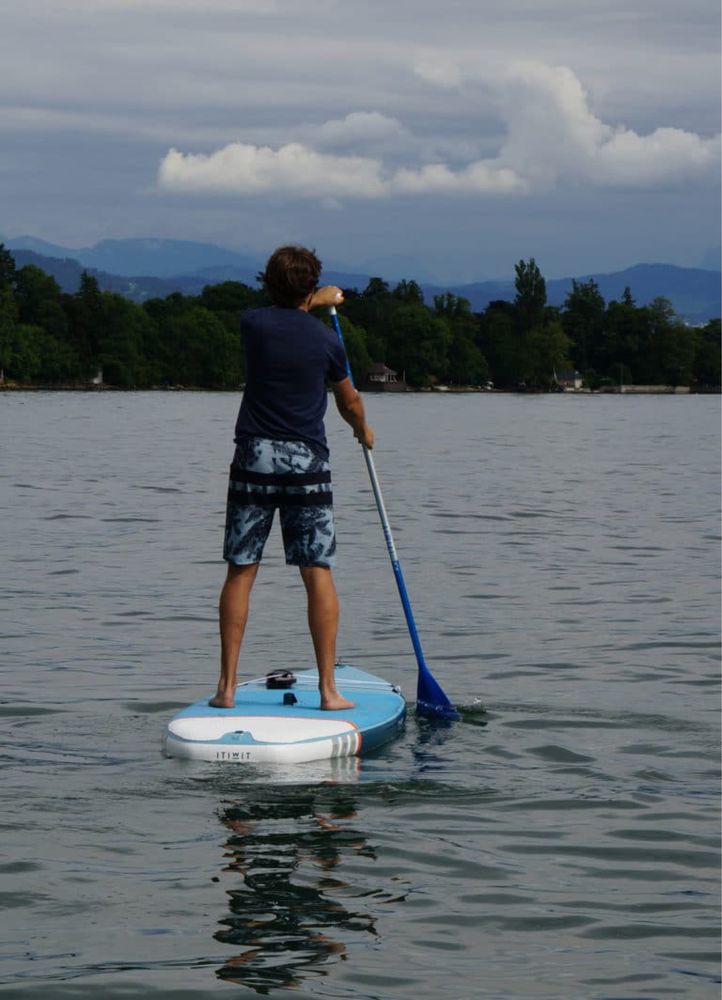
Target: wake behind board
<point x="272" y="725"/>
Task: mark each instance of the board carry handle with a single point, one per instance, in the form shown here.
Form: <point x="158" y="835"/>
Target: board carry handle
<point x="280" y="679"/>
<point x="430" y="698"/>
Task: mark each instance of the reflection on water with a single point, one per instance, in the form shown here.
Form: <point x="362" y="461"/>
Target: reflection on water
<point x="296" y="849"/>
<point x="285" y="916"/>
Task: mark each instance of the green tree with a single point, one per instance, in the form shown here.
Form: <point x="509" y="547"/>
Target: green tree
<point x="466" y="362"/>
<point x="451" y="306"/>
<point x="408" y="291"/>
<point x="164" y="315"/>
<point x="354" y="338"/>
<point x="531" y="294"/>
<point x="584" y="321"/>
<point x="196" y="348"/>
<point x="127" y="352"/>
<point x="372" y="311"/>
<point x="38" y="298"/>
<point x="673" y="345"/>
<point x="417" y="343"/>
<point x="8" y="328"/>
<point x="8" y="272"/>
<point x="59" y="363"/>
<point x="376" y="288"/>
<point x="84" y="312"/>
<point x="502" y="343"/>
<point x="230" y="299"/>
<point x="546" y="354"/>
<point x="625" y="337"/>
<point x="707" y="360"/>
<point x="21" y="347"/>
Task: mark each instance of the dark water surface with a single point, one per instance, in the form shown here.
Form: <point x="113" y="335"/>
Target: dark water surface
<point x="562" y="840"/>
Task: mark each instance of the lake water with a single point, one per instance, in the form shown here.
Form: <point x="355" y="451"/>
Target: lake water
<point x="560" y="841"/>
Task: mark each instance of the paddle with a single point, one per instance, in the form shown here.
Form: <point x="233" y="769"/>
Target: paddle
<point x="430" y="699"/>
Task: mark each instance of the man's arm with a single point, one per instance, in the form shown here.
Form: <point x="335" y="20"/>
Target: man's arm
<point x="351" y="407"/>
<point x="327" y="295"/>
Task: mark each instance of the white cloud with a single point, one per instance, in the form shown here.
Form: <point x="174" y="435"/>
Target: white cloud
<point x="552" y="137"/>
<point x="477" y="178"/>
<point x="666" y="155"/>
<point x="298" y="171"/>
<point x="358" y="127"/>
<point x="438" y="69"/>
<point x="240" y="168"/>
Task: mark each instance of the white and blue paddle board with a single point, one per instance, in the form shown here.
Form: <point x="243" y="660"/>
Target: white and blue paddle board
<point x="268" y="726"/>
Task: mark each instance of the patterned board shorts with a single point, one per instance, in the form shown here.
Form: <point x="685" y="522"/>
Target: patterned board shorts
<point x="266" y="474"/>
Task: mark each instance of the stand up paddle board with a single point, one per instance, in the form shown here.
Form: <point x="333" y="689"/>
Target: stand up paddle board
<point x="284" y="724"/>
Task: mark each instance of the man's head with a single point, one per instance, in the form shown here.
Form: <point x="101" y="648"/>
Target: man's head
<point x="291" y="275"/>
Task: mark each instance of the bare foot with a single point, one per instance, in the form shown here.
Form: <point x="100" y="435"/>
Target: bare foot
<point x="335" y="702"/>
<point x="222" y="700"/>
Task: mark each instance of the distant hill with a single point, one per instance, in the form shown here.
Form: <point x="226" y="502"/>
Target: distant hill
<point x="155" y="257"/>
<point x="67" y="273"/>
<point x="139" y="288"/>
<point x="694" y="293"/>
<point x="147" y="268"/>
<point x="40" y="246"/>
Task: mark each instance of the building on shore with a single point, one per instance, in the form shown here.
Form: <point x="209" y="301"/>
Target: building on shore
<point x="384" y="379"/>
<point x="569" y="380"/>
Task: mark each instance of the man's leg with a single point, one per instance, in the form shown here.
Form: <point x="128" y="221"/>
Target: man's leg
<point x="233" y="615"/>
<point x="323" y="623"/>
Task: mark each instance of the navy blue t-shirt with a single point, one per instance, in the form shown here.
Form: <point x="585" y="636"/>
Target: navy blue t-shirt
<point x="290" y="355"/>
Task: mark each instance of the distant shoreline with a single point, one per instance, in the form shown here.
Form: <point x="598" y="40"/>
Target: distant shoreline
<point x="625" y="390"/>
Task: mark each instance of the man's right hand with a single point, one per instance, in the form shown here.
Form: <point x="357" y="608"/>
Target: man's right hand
<point x="328" y="295"/>
<point x="351" y="407"/>
<point x="365" y="436"/>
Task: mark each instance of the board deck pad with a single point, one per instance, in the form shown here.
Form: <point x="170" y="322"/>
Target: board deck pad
<point x="262" y="728"/>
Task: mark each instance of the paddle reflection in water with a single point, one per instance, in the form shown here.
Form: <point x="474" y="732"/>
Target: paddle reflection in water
<point x="286" y="846"/>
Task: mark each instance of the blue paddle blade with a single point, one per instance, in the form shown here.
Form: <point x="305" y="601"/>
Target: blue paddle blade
<point x="446" y="712"/>
<point x="430" y="698"/>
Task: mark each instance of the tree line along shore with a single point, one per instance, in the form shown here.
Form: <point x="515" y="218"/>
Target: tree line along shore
<point x="51" y="338"/>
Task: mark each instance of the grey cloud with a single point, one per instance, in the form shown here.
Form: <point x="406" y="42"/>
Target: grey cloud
<point x="552" y="137"/>
<point x="93" y="94"/>
<point x="177" y="54"/>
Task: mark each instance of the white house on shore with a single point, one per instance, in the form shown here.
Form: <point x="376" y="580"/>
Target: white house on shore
<point x="569" y="380"/>
<point x="381" y="374"/>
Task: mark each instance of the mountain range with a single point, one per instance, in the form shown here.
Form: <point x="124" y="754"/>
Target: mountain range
<point x="140" y="269"/>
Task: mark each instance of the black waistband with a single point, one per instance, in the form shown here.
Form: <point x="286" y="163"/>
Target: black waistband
<point x="250" y="498"/>
<point x="240" y="475"/>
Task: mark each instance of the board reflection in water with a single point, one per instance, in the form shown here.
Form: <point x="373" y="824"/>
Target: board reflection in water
<point x="287" y="848"/>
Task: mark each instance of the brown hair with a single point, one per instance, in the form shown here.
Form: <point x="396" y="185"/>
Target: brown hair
<point x="291" y="275"/>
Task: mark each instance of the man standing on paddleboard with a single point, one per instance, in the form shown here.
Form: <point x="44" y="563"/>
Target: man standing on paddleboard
<point x="281" y="460"/>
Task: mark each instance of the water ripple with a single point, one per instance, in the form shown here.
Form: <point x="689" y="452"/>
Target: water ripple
<point x="561" y="840"/>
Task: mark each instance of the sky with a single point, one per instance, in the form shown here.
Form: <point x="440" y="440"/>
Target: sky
<point x="440" y="140"/>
